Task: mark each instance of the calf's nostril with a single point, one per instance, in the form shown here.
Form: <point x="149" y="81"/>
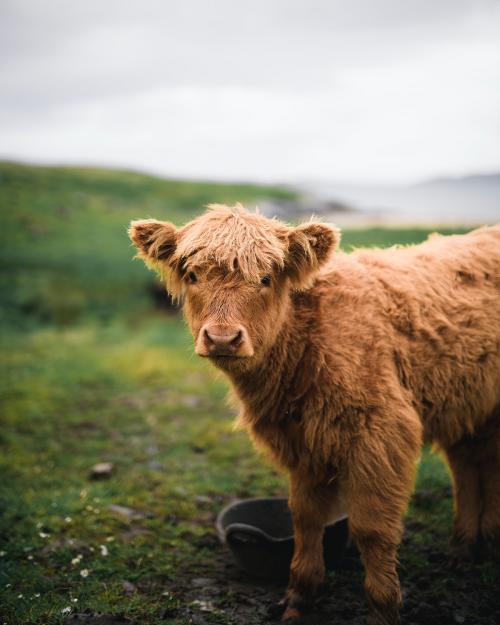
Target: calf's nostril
<point x="237" y="338"/>
<point x="207" y="337"/>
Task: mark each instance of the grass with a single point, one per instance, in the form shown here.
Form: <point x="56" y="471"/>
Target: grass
<point x="65" y="249"/>
<point x="105" y="377"/>
<point x="130" y="394"/>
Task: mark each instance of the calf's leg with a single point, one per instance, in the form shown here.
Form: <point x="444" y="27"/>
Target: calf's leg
<point x="380" y="482"/>
<point x="377" y="533"/>
<point x="490" y="487"/>
<point x="311" y="506"/>
<point x="490" y="518"/>
<point x="467" y="495"/>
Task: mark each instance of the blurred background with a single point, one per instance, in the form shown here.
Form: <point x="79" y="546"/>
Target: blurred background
<point x="380" y="116"/>
<point x="384" y="106"/>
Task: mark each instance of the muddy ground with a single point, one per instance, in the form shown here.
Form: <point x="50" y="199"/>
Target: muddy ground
<point x="437" y="591"/>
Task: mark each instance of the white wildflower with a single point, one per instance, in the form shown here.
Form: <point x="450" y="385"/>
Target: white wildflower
<point x="20" y="596"/>
<point x="74" y="600"/>
<point x="77" y="559"/>
<point x="2" y="553"/>
<point x="37" y="595"/>
<point x="104" y="550"/>
<point x="30" y="557"/>
<point x="43" y="535"/>
<point x="66" y="610"/>
<point x="204" y="606"/>
<point x="68" y="519"/>
<point x="84" y="572"/>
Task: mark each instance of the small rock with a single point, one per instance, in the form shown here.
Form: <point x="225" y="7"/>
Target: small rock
<point x="128" y="587"/>
<point x="128" y="514"/>
<point x="459" y="618"/>
<point x="101" y="470"/>
<point x="155" y="465"/>
<point x="201" y="582"/>
<point x="204" y="606"/>
<point x="202" y="499"/>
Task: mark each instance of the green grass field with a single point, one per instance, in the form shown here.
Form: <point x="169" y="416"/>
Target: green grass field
<point x="92" y="372"/>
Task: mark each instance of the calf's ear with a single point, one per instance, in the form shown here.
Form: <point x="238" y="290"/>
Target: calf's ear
<point x="155" y="240"/>
<point x="310" y="246"/>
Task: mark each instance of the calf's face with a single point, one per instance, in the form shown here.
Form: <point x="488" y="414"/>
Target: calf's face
<point x="234" y="270"/>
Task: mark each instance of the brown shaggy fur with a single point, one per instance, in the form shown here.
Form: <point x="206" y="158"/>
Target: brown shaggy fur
<point x="344" y="364"/>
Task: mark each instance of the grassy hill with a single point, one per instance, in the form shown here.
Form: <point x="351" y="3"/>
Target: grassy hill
<point x="64" y="248"/>
<point x="64" y="251"/>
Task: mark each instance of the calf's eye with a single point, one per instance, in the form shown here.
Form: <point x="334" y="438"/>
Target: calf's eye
<point x="192" y="277"/>
<point x="266" y="281"/>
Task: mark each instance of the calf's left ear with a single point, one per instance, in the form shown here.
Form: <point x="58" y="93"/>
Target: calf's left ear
<point x="155" y="240"/>
<point x="310" y="246"/>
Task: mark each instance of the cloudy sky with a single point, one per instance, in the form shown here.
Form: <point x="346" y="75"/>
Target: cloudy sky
<point x="279" y="90"/>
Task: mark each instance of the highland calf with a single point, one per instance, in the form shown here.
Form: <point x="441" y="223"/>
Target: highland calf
<point x="343" y="365"/>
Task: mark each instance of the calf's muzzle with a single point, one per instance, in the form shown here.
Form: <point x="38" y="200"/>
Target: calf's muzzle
<point x="223" y="340"/>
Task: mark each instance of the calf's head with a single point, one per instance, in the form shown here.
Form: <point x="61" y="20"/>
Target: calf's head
<point x="234" y="271"/>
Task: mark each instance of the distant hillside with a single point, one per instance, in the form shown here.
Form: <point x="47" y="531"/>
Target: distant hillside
<point x="474" y="180"/>
<point x="472" y="200"/>
<point x="63" y="241"/>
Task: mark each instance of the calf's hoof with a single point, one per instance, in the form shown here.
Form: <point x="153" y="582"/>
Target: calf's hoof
<point x="383" y="614"/>
<point x="286" y="612"/>
<point x="489" y="546"/>
<point x="276" y="610"/>
<point x="466" y="550"/>
<point x="291" y="615"/>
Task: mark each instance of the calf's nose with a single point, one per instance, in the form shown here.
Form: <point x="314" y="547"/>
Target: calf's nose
<point x="222" y="338"/>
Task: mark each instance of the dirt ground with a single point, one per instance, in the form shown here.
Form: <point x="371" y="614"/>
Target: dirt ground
<point x="443" y="592"/>
<point x="438" y="589"/>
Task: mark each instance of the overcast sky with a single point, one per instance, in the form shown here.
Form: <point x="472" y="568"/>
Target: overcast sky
<point x="279" y="90"/>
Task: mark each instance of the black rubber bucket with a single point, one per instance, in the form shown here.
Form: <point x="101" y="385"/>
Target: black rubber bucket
<point x="259" y="532"/>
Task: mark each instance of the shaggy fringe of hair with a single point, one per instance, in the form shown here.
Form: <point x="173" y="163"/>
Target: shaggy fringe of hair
<point x="228" y="237"/>
<point x="237" y="240"/>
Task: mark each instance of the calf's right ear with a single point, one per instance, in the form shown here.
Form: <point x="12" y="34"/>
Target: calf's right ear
<point x="310" y="246"/>
<point x="155" y="240"/>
